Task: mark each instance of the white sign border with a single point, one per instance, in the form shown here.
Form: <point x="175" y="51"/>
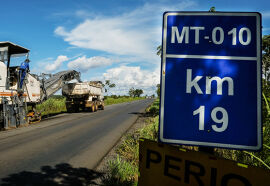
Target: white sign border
<point x="163" y="67"/>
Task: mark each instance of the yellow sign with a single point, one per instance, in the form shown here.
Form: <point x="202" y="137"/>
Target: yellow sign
<point x="162" y="165"/>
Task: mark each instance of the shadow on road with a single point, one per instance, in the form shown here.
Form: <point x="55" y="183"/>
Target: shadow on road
<point x="140" y="114"/>
<point x="52" y="114"/>
<point x="61" y="174"/>
<point x="143" y="114"/>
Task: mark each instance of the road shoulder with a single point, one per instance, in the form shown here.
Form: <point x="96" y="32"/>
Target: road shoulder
<point x="111" y="155"/>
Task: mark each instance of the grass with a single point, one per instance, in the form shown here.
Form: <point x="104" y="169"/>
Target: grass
<point x="110" y="100"/>
<point x="121" y="173"/>
<point x="53" y="105"/>
<point x="124" y="170"/>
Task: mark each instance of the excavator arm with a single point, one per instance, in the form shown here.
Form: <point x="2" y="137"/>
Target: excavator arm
<point x="55" y="82"/>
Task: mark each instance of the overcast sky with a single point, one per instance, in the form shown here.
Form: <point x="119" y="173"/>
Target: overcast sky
<point x="103" y="39"/>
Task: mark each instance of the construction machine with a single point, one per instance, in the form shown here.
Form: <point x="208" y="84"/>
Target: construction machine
<point x="20" y="95"/>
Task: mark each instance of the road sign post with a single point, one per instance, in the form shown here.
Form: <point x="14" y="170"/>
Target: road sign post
<point x="211" y="79"/>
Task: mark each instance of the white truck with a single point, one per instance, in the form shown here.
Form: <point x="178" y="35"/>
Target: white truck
<point x="83" y="96"/>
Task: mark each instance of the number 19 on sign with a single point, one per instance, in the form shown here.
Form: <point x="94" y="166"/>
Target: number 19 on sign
<point x="223" y="120"/>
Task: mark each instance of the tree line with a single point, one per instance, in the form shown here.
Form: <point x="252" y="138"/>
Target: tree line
<point x="107" y="85"/>
<point x="135" y="92"/>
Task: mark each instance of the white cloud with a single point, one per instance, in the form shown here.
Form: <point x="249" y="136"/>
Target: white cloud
<point x="107" y="35"/>
<point x="126" y="77"/>
<point x="265" y="29"/>
<point x="56" y="64"/>
<point x="83" y="64"/>
<point x="136" y="33"/>
<point x="125" y="38"/>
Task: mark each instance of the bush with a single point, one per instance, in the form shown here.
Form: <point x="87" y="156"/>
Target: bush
<point x="53" y="105"/>
<point x="154" y="110"/>
<point x="114" y="96"/>
<point x="124" y="169"/>
<point x="122" y="173"/>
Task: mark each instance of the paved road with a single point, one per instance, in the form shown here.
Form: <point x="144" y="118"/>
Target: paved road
<point x="78" y="139"/>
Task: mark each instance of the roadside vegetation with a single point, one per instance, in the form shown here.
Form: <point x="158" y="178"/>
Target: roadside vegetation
<point x="56" y="103"/>
<point x="124" y="169"/>
<point x="120" y="99"/>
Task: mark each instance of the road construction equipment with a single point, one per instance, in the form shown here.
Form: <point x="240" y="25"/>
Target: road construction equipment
<point x="84" y="96"/>
<point x="16" y="100"/>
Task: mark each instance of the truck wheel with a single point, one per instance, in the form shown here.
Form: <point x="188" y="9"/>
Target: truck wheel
<point x="102" y="106"/>
<point x="69" y="110"/>
<point x="77" y="108"/>
<point x="82" y="107"/>
<point x="93" y="108"/>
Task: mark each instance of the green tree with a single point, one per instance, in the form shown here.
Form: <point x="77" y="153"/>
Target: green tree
<point x="131" y="92"/>
<point x="266" y="60"/>
<point x="266" y="76"/>
<point x="138" y="92"/>
<point x="108" y="85"/>
<point x="158" y="90"/>
<point x="212" y="9"/>
<point x="135" y="92"/>
<point x="264" y="155"/>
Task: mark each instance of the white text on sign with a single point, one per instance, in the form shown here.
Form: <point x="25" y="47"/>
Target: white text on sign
<point x="217" y="35"/>
<point x="224" y="120"/>
<point x="219" y="81"/>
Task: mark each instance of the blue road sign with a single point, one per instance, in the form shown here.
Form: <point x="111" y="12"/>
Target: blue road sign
<point x="211" y="79"/>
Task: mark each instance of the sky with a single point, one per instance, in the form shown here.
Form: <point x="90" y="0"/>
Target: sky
<point x="112" y="40"/>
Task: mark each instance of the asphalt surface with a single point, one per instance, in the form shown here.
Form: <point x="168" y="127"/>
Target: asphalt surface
<point x="64" y="142"/>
